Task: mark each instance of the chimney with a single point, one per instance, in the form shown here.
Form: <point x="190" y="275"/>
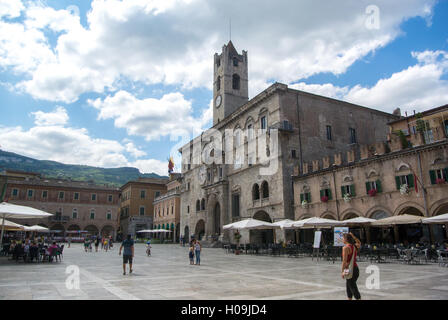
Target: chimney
<point x="397" y="112"/>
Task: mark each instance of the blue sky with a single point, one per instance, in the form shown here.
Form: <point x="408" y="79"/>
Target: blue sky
<point x="116" y="83"/>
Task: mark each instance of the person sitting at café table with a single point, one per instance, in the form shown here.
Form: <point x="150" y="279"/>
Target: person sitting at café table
<point x="51" y="250"/>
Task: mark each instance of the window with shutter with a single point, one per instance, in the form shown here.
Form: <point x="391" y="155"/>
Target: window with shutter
<point x="398" y="182"/>
<point x="432" y="175"/>
<point x="352" y="190"/>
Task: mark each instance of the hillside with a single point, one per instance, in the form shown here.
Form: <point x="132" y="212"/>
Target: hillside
<point x="52" y="169"/>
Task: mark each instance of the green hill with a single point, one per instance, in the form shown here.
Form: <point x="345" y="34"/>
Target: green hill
<point x="52" y="169"/>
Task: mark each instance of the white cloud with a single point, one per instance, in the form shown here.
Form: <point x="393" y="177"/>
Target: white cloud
<point x="134" y="151"/>
<point x="49" y="139"/>
<point x="58" y="117"/>
<point x="152" y="118"/>
<point x="151" y="165"/>
<point x="172" y="42"/>
<point x="418" y="87"/>
<point x="10" y="8"/>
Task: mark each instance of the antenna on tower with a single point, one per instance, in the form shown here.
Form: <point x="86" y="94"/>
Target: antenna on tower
<point x="230" y="29"/>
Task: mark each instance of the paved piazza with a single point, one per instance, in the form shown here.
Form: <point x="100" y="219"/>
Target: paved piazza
<point x="167" y="275"/>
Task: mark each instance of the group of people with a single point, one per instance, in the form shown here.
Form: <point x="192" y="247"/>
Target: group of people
<point x="195" y="251"/>
<point x="31" y="250"/>
<point x="105" y="242"/>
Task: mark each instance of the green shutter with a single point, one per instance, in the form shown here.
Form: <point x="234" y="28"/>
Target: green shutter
<point x="342" y="191"/>
<point x="301" y="197"/>
<point x="309" y="197"/>
<point x="321" y="193"/>
<point x="432" y="175"/>
<point x="367" y="187"/>
<point x="411" y="181"/>
<point x="445" y="174"/>
<point x="329" y="194"/>
<point x="352" y="190"/>
<point x="379" y="189"/>
<point x="398" y="182"/>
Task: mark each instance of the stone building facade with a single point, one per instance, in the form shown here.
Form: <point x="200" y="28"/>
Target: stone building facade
<point x="382" y="180"/>
<point x="288" y="127"/>
<point x="75" y="205"/>
<point x="167" y="209"/>
<point x="137" y="204"/>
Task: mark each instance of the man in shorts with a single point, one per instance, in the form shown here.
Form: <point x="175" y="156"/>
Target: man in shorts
<point x="128" y="253"/>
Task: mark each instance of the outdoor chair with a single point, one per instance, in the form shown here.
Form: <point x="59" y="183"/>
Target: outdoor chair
<point x="34" y="254"/>
<point x="55" y="253"/>
<point x="443" y="260"/>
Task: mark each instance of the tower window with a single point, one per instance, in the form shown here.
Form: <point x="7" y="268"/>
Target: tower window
<point x="218" y="62"/>
<point x="235" y="62"/>
<point x="329" y="135"/>
<point x="236" y="82"/>
<point x="353" y="136"/>
<point x="218" y="83"/>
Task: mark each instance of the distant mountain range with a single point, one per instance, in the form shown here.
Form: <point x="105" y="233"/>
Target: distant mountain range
<point x="52" y="169"/>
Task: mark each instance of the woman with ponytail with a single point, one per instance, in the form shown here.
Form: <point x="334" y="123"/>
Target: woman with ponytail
<point x="350" y="270"/>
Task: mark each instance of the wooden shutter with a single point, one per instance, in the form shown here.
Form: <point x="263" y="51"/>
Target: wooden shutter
<point x="398" y="182"/>
<point x="308" y="197"/>
<point x="411" y="181"/>
<point x="379" y="189"/>
<point x="352" y="190"/>
<point x="329" y="194"/>
<point x="445" y="174"/>
<point x="321" y="193"/>
<point x="342" y="191"/>
<point x="367" y="187"/>
<point x="433" y="176"/>
<point x="301" y="198"/>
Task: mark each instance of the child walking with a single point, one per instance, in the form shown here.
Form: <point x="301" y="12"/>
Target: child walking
<point x="191" y="255"/>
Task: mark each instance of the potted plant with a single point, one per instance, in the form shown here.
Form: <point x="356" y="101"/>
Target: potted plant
<point x="404" y="189"/>
<point x="347" y="197"/>
<point x="373" y="192"/>
<point x="237" y="237"/>
<point x="304" y="204"/>
<point x="324" y="199"/>
<point x="440" y="181"/>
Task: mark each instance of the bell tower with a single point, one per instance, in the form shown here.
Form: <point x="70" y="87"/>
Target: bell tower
<point x="230" y="82"/>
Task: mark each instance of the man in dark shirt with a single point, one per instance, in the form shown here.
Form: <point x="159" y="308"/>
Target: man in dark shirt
<point x="128" y="253"/>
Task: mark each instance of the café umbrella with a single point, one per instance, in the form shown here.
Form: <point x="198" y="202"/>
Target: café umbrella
<point x="251" y="224"/>
<point x="443" y="218"/>
<point x="8" y="210"/>
<point x="316" y="222"/>
<point x="11" y="226"/>
<point x="358" y="221"/>
<point x="36" y="228"/>
<point x="397" y="220"/>
<point x="284" y="224"/>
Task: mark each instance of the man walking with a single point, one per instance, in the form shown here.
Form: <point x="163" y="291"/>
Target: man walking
<point x="128" y="253"/>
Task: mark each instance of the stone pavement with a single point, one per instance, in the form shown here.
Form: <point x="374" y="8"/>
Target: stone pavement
<point x="167" y="275"/>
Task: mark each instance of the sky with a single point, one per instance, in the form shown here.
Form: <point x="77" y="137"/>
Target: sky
<point x="112" y="83"/>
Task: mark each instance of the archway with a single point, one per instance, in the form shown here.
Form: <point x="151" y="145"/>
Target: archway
<point x="380" y="235"/>
<point x="217" y="219"/>
<point x="107" y="231"/>
<point x="262" y="236"/>
<point x="440" y="231"/>
<point x="187" y="234"/>
<point x="177" y="233"/>
<point x="91" y="230"/>
<point x="73" y="227"/>
<point x="199" y="231"/>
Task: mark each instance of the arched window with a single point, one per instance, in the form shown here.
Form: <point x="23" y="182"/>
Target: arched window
<point x="235" y="62"/>
<point x="255" y="192"/>
<point x="218" y="83"/>
<point x="203" y="204"/>
<point x="265" y="189"/>
<point x="236" y="82"/>
<point x="198" y="205"/>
